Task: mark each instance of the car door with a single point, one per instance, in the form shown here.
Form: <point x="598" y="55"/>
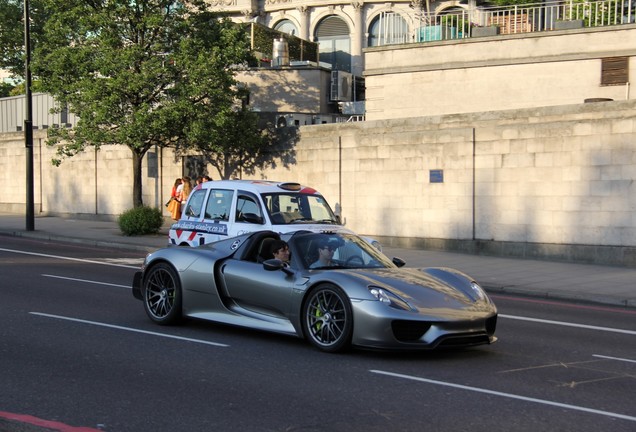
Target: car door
<point x="253" y="288"/>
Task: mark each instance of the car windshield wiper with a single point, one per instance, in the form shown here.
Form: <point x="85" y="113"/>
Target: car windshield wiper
<point x="302" y="220"/>
<point x="310" y="220"/>
<point x="327" y="221"/>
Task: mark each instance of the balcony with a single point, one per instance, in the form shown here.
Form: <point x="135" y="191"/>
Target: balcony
<point x="534" y="17"/>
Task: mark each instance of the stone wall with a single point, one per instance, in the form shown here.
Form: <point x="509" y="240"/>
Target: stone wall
<point x="552" y="182"/>
<point x="90" y="184"/>
<point x="544" y="182"/>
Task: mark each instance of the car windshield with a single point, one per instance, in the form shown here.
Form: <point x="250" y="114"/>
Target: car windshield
<point x="295" y="208"/>
<point x="336" y="250"/>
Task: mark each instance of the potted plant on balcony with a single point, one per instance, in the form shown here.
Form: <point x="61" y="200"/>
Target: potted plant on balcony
<point x="489" y="30"/>
<point x="567" y="24"/>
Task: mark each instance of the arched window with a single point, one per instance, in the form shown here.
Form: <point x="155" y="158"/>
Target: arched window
<point x="388" y="28"/>
<point x="286" y="26"/>
<point x="332" y="33"/>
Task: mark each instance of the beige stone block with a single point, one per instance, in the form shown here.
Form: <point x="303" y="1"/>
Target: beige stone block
<point x="518" y="160"/>
<point x="570" y="173"/>
<point x="626" y="126"/>
<point x="544" y="159"/>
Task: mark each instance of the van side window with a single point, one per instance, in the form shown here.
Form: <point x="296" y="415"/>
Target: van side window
<point x="195" y="203"/>
<point x="219" y="205"/>
<point x="248" y="210"/>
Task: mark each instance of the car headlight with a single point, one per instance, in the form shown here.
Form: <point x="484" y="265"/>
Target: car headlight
<point x="388" y="298"/>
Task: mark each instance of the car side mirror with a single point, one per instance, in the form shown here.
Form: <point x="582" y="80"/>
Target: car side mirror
<point x="398" y="262"/>
<point x="276" y="264"/>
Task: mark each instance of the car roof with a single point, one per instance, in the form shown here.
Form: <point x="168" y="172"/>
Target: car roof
<point x="259" y="186"/>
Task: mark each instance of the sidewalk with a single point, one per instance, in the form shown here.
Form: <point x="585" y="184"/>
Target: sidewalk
<point x="544" y="279"/>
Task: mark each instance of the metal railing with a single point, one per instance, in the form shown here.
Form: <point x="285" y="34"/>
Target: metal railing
<point x="533" y="17"/>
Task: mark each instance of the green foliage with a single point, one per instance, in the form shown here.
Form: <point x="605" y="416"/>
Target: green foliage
<point x="12" y="32"/>
<point x="460" y="21"/>
<point x="509" y="2"/>
<point x="234" y="142"/>
<point x="20" y="90"/>
<point x="263" y="42"/>
<point x="140" y="221"/>
<point x="5" y="89"/>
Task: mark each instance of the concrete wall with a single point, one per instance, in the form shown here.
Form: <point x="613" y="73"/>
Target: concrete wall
<point x="494" y="73"/>
<point x="286" y="89"/>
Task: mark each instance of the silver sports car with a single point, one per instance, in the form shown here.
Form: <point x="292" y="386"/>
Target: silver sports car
<point x="333" y="289"/>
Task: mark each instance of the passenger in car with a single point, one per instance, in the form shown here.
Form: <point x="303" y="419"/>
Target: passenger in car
<point x="280" y="250"/>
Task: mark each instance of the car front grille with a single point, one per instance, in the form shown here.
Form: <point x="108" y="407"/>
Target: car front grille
<point x="409" y="331"/>
<point x="413" y="331"/>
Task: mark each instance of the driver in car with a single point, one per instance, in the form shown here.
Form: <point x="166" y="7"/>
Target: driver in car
<point x="325" y="254"/>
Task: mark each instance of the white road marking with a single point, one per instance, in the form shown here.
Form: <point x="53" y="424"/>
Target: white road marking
<point x="68" y="258"/>
<point x="87" y="281"/>
<point x="567" y="324"/>
<point x="508" y="395"/>
<point x="129" y="329"/>
<point x="613" y="358"/>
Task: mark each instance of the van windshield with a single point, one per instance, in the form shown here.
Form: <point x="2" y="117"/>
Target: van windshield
<point x="295" y="208"/>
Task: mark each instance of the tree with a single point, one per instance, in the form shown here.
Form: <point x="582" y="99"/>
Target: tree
<point x="140" y="73"/>
<point x="12" y="32"/>
<point x="5" y="89"/>
<point x="237" y="141"/>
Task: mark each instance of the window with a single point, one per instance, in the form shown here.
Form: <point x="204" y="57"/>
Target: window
<point x="219" y="205"/>
<point x="248" y="210"/>
<point x="290" y="208"/>
<point x="614" y="71"/>
<point x="195" y="203"/>
<point x="286" y="26"/>
<point x="388" y="28"/>
<point x="333" y="35"/>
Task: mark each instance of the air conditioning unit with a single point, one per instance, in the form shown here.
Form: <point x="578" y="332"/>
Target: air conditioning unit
<point x="341" y="83"/>
<point x="286" y="120"/>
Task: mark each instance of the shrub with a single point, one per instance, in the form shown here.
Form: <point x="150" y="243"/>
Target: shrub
<point x="140" y="221"/>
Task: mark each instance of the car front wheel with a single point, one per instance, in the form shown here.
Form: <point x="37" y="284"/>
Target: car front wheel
<point x="328" y="318"/>
<point x="162" y="294"/>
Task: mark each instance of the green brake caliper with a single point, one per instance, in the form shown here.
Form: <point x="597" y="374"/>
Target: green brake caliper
<point x="318" y="314"/>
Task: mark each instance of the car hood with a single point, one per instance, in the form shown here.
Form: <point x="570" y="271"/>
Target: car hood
<point x="428" y="288"/>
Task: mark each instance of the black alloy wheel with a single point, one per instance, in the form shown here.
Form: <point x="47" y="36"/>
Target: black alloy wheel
<point x="162" y="294"/>
<point x="328" y="318"/>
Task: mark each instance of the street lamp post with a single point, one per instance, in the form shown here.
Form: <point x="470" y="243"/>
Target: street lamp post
<point x="28" y="124"/>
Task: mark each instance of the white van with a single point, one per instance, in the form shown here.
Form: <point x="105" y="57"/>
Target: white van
<point x="228" y="208"/>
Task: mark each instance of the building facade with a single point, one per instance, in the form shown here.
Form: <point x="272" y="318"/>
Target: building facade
<point x="342" y="28"/>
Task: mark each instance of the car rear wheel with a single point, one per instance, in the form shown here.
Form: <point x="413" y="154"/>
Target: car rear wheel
<point x="328" y="318"/>
<point x="162" y="294"/>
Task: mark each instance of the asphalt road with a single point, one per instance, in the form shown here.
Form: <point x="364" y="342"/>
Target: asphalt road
<point x="78" y="354"/>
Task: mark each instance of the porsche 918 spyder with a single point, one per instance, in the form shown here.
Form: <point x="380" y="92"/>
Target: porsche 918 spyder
<point x="335" y="290"/>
